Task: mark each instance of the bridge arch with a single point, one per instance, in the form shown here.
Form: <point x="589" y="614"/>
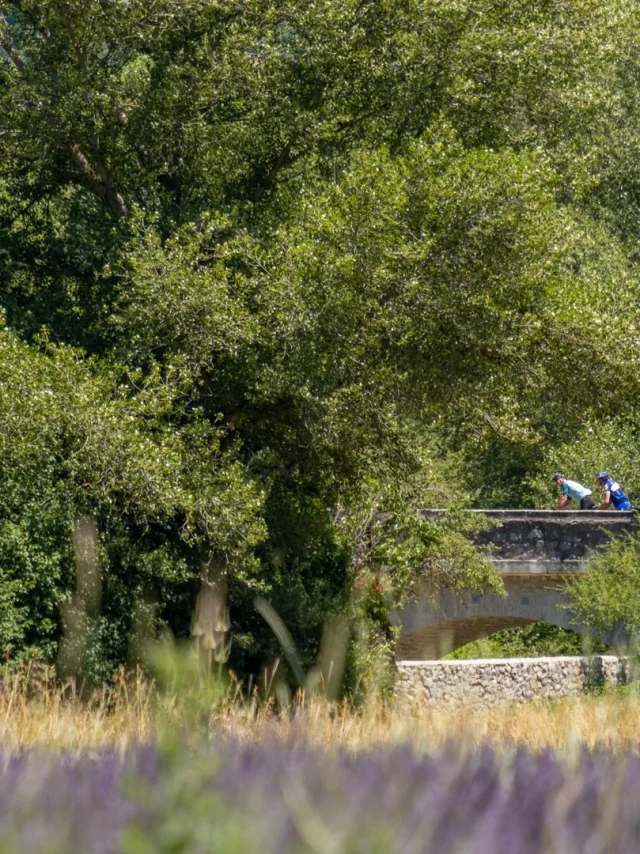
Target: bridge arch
<point x="534" y="552"/>
<point x="433" y="642"/>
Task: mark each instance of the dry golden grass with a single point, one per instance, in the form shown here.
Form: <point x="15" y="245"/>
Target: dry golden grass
<point x="612" y="722"/>
<point x="36" y="712"/>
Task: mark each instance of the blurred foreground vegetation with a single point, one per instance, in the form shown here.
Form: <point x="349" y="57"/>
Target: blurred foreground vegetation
<point x="285" y="798"/>
<point x="267" y="269"/>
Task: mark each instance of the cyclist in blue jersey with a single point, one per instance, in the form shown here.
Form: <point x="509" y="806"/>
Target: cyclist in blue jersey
<point x="573" y="491"/>
<point x="612" y="495"/>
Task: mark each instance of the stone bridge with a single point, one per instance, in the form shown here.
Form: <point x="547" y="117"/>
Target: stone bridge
<point x="533" y="550"/>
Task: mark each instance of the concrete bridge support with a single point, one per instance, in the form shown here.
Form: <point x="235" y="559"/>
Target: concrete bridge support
<point x="535" y="552"/>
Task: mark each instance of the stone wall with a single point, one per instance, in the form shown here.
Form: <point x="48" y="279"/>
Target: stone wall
<point x="539" y="541"/>
<point x="505" y="680"/>
<point x="541" y="535"/>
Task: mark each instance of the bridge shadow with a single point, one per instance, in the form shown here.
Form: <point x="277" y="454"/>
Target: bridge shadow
<point x="436" y="641"/>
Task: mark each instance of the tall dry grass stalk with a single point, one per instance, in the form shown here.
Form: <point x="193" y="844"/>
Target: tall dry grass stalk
<point x="35" y="711"/>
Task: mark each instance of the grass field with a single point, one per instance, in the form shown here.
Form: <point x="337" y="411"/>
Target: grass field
<point x="37" y="712"/>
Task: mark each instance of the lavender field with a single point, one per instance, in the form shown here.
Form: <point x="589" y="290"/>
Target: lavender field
<point x="278" y="798"/>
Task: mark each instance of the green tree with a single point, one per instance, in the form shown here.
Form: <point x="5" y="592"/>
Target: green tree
<point x="267" y="264"/>
<point x="606" y="597"/>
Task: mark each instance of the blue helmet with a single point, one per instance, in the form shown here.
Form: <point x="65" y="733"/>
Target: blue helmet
<point x="558" y="475"/>
<point x="602" y="475"/>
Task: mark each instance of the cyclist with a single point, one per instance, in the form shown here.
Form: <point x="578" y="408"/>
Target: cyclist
<point x="611" y="493"/>
<point x="572" y="490"/>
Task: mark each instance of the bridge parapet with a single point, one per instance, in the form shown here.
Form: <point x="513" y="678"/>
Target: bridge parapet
<point x="548" y="542"/>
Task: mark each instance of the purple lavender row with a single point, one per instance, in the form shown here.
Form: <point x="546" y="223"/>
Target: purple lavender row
<point x="285" y="799"/>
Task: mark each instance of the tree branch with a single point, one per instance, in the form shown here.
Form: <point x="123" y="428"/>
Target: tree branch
<point x="100" y="181"/>
<point x="13" y="56"/>
<point x="95" y="176"/>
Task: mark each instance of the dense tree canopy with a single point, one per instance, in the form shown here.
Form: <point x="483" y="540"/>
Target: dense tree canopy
<point x="262" y="263"/>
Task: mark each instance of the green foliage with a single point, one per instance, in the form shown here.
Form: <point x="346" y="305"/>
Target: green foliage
<point x="270" y="269"/>
<point x="74" y="441"/>
<point x="607" y="596"/>
<point x="611" y="444"/>
<point x="35" y="567"/>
